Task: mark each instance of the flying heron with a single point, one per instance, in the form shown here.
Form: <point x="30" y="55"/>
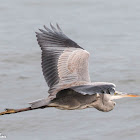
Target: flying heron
<point x="65" y="68"/>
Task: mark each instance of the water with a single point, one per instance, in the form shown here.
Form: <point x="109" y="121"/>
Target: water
<point x="109" y="30"/>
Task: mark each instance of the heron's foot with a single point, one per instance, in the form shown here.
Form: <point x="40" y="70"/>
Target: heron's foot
<point x="8" y="111"/>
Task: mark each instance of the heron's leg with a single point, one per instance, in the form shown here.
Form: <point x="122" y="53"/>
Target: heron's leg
<point x="11" y="111"/>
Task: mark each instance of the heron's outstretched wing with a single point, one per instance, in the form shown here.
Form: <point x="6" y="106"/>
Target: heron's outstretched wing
<point x="97" y="87"/>
<point x="63" y="61"/>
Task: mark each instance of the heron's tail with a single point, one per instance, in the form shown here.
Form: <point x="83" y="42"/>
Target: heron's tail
<point x="40" y="103"/>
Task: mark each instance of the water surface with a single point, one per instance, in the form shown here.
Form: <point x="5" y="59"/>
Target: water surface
<point x="109" y="30"/>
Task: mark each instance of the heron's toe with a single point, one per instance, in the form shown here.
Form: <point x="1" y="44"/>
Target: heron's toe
<point x="7" y="110"/>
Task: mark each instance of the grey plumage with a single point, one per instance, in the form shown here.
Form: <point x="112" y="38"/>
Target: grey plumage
<point x="100" y="88"/>
<point x="52" y="43"/>
<point x="57" y="49"/>
<point x="65" y="68"/>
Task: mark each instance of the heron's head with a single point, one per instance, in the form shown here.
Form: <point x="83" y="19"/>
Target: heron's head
<point x="105" y="103"/>
<point x="118" y="95"/>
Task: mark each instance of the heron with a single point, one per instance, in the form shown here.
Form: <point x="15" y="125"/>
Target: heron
<point x="65" y="69"/>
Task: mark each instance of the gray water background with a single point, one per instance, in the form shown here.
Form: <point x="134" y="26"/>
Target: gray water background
<point x="109" y="30"/>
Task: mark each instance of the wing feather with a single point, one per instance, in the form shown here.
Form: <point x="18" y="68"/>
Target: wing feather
<point x="95" y="88"/>
<point x="64" y="62"/>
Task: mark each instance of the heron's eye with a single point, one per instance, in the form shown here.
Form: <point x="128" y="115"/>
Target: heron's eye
<point x="112" y="91"/>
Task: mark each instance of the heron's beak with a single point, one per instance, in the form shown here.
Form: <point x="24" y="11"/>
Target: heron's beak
<point x="118" y="95"/>
<point x="130" y="95"/>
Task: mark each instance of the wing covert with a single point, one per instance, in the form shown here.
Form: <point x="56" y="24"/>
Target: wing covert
<point x="94" y="88"/>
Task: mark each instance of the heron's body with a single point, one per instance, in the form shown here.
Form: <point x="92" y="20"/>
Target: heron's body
<point x="65" y="69"/>
<point x="70" y="100"/>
